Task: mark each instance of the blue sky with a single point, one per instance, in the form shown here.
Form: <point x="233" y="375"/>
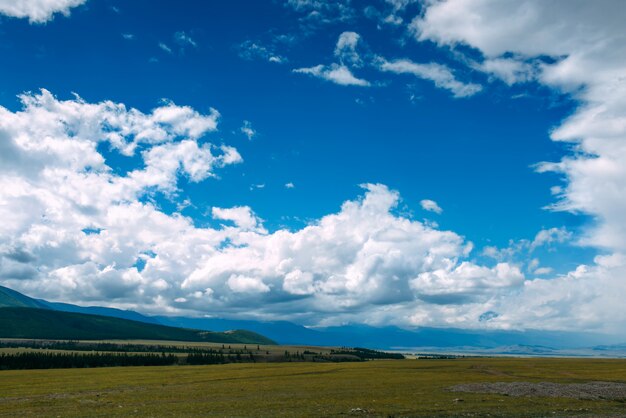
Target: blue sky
<point x="398" y="113"/>
<point x="324" y="138"/>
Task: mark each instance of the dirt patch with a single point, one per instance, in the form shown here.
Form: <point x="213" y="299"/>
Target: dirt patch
<point x="588" y="390"/>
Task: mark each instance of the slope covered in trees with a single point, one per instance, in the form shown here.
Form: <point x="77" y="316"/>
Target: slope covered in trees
<point x="49" y="324"/>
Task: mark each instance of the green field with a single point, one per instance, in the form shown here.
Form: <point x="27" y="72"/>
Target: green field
<point x="374" y="388"/>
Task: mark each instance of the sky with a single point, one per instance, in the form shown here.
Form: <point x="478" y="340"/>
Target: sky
<point x="457" y="163"/>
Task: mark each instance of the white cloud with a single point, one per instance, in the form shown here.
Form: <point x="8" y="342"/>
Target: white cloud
<point x="549" y="236"/>
<point x="399" y="5"/>
<point x="247" y="130"/>
<point x="243" y="284"/>
<point x="289" y="185"/>
<point x="431" y="206"/>
<point x="509" y="70"/>
<point x="466" y="283"/>
<point x="165" y="48"/>
<point x="338" y="74"/>
<point x="63" y="187"/>
<point x="250" y="50"/>
<point x="345" y="50"/>
<point x="437" y="73"/>
<point x="322" y="11"/>
<point x="128" y="36"/>
<point x="37" y="11"/>
<point x="543" y="271"/>
<point x="183" y="39"/>
<point x="241" y="216"/>
<point x="348" y="261"/>
<point x="522" y="250"/>
<point x="363" y="262"/>
<point x="585" y="43"/>
<point x="75" y="230"/>
<point x="589" y="297"/>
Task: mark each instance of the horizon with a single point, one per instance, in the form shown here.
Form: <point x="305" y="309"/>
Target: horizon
<point x="453" y="164"/>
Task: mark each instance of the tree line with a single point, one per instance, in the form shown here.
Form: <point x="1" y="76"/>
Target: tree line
<point x="368" y="354"/>
<point x="51" y="360"/>
<point x="71" y="345"/>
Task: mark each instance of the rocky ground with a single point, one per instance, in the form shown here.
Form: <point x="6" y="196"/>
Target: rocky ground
<point x="588" y="390"/>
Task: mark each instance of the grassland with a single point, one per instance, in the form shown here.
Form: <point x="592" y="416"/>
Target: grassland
<point x="374" y="388"/>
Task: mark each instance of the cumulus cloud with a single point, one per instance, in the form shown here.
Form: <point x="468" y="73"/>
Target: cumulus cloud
<point x="241" y="216"/>
<point x="466" y="283"/>
<point x="431" y="206"/>
<point x="76" y="230"/>
<point x="336" y="73"/>
<point x="37" y="11"/>
<point x="361" y="256"/>
<point x="578" y="48"/>
<point x="439" y="74"/>
<point x="586" y="298"/>
<point x="82" y="225"/>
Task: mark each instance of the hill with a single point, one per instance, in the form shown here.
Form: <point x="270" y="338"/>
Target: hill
<point x="20" y="322"/>
<point x="102" y="311"/>
<point x="9" y="298"/>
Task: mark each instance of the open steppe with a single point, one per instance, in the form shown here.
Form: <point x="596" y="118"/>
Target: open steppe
<point x="374" y="388"/>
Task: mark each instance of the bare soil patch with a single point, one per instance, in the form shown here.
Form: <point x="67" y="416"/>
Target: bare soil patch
<point x="588" y="390"/>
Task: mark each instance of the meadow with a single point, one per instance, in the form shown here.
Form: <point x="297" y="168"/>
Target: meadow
<point x="373" y="388"/>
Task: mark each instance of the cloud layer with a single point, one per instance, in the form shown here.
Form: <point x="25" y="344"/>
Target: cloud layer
<point x="578" y="48"/>
<point x="79" y="231"/>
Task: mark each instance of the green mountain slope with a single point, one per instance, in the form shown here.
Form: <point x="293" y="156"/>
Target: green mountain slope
<point x="13" y="299"/>
<point x="19" y="322"/>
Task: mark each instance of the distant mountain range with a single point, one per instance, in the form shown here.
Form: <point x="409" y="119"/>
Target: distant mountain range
<point x="24" y="317"/>
<point x="385" y="338"/>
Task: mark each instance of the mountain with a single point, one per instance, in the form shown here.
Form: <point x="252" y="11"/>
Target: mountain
<point x="98" y="310"/>
<point x="19" y="322"/>
<point x="386" y="338"/>
<point x="9" y="298"/>
<point x="283" y="332"/>
<point x="393" y="337"/>
<point x="353" y="335"/>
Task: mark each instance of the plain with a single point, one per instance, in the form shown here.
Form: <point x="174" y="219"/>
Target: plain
<point x="373" y="388"/>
